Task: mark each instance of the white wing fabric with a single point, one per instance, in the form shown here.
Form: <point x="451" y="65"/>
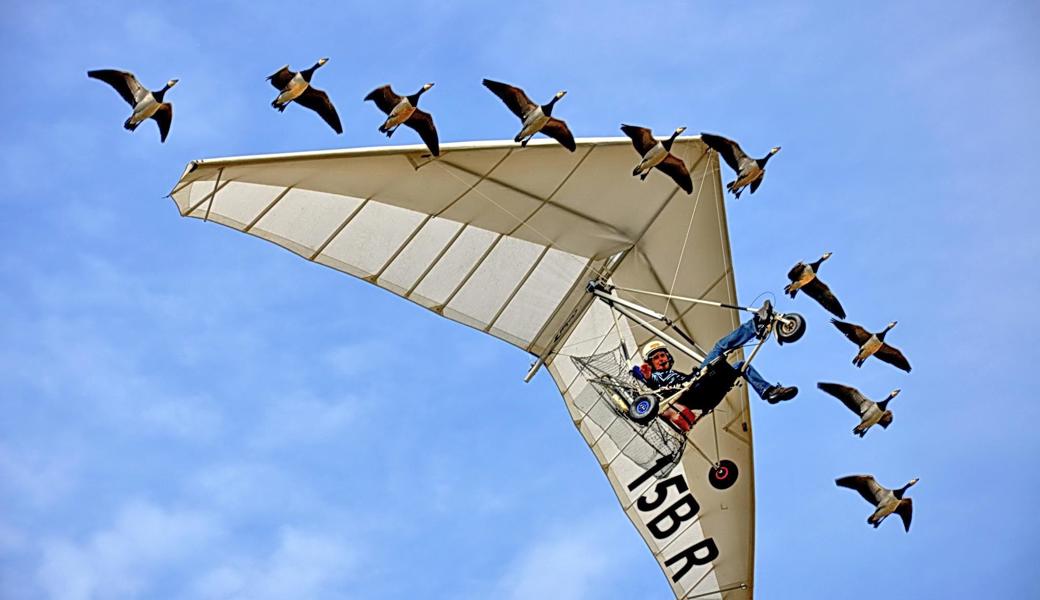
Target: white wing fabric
<point x="504" y="239"/>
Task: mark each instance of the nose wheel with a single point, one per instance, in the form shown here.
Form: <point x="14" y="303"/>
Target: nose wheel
<point x="724" y="475"/>
<point x="790" y="327"/>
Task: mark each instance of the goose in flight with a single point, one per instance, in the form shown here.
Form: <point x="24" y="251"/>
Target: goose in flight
<point x="534" y="118"/>
<point x="750" y="171"/>
<point x="658" y="153"/>
<point x="296" y="87"/>
<point x="885" y="501"/>
<point x="872" y="344"/>
<point x="146" y="104"/>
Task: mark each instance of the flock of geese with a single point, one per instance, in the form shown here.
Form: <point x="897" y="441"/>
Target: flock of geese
<point x="296" y="87"/>
<point x="804" y="277"/>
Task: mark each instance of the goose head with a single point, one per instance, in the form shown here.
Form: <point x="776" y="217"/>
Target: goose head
<point x="816" y="265"/>
<point x="414" y="98"/>
<point x="547" y="109"/>
<point x="772" y="151"/>
<point x="159" y="95"/>
<point x="899" y="493"/>
<point x="883" y="332"/>
<point x="668" y="143"/>
<point x="884" y="403"/>
<point x="308" y="72"/>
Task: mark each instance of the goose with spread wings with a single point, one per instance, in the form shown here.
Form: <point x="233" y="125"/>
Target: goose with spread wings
<point x="804" y="277"/>
<point x="296" y="87"/>
<point x="404" y="110"/>
<point x="146" y="104"/>
<point x="534" y="118"/>
<point x="750" y="171"/>
<point x="658" y="153"/>
<point x="872" y="344"/>
<point x="870" y="413"/>
<point x="885" y="501"/>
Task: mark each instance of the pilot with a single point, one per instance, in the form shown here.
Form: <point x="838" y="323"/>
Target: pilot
<point x="660" y="360"/>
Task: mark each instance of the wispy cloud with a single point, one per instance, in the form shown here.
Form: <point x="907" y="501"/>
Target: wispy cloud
<point x="566" y="563"/>
<point x="145" y="542"/>
<point x="304" y="564"/>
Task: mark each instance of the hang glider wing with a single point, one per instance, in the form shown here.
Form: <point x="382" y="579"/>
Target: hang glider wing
<point x="504" y="239"/>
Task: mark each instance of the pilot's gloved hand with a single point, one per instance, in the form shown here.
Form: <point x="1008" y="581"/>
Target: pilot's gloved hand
<point x="637" y="372"/>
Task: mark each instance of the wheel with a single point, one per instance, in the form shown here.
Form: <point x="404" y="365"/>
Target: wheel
<point x="723" y="476"/>
<point x="643" y="409"/>
<point x="790" y="328"/>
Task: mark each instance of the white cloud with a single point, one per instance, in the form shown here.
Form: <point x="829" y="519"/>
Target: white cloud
<point x="298" y="419"/>
<point x="568" y="563"/>
<point x="38" y="477"/>
<point x="144" y="541"/>
<point x="303" y="565"/>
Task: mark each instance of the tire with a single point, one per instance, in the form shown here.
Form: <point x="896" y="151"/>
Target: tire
<point x="643" y="409"/>
<point x="724" y="476"/>
<point x="790" y="329"/>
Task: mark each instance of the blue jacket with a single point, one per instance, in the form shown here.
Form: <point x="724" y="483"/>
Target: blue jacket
<point x="669" y="378"/>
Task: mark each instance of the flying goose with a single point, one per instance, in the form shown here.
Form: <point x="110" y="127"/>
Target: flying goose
<point x="803" y="277"/>
<point x="146" y="104"/>
<point x="871" y="413"/>
<point x="885" y="501"/>
<point x="535" y="118"/>
<point x="750" y="171"/>
<point x="404" y="110"/>
<point x="872" y="344"/>
<point x="297" y="86"/>
<point x="657" y="153"/>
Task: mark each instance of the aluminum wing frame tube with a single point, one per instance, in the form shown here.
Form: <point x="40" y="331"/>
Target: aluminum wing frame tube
<point x="629" y="310"/>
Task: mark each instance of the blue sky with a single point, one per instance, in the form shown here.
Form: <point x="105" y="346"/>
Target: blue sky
<point x="192" y="413"/>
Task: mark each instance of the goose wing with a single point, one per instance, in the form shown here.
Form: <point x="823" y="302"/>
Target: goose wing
<point x="852" y="331"/>
<point x="796" y="272"/>
<point x="422" y="123"/>
<point x="905" y="510"/>
<point x="865" y="485"/>
<point x="757" y="182"/>
<point x="849" y="396"/>
<point x="124" y="82"/>
<point x="281" y="78"/>
<point x="319" y="102"/>
<point x="163" y="117"/>
<point x="818" y="291"/>
<point x="893" y="356"/>
<point x="385" y="98"/>
<point x="642" y="138"/>
<point x="514" y="97"/>
<point x="557" y="130"/>
<point x="673" y="166"/>
<point x="727" y="149"/>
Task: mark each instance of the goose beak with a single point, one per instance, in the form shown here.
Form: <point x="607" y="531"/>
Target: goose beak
<point x="561" y="94"/>
<point x="322" y="61"/>
<point x="774" y="150"/>
<point x="427" y="86"/>
<point x="913" y="481"/>
<point x="892" y="324"/>
<point x="679" y="130"/>
<point x="172" y="82"/>
<point x="894" y="393"/>
<point x="826" y="255"/>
